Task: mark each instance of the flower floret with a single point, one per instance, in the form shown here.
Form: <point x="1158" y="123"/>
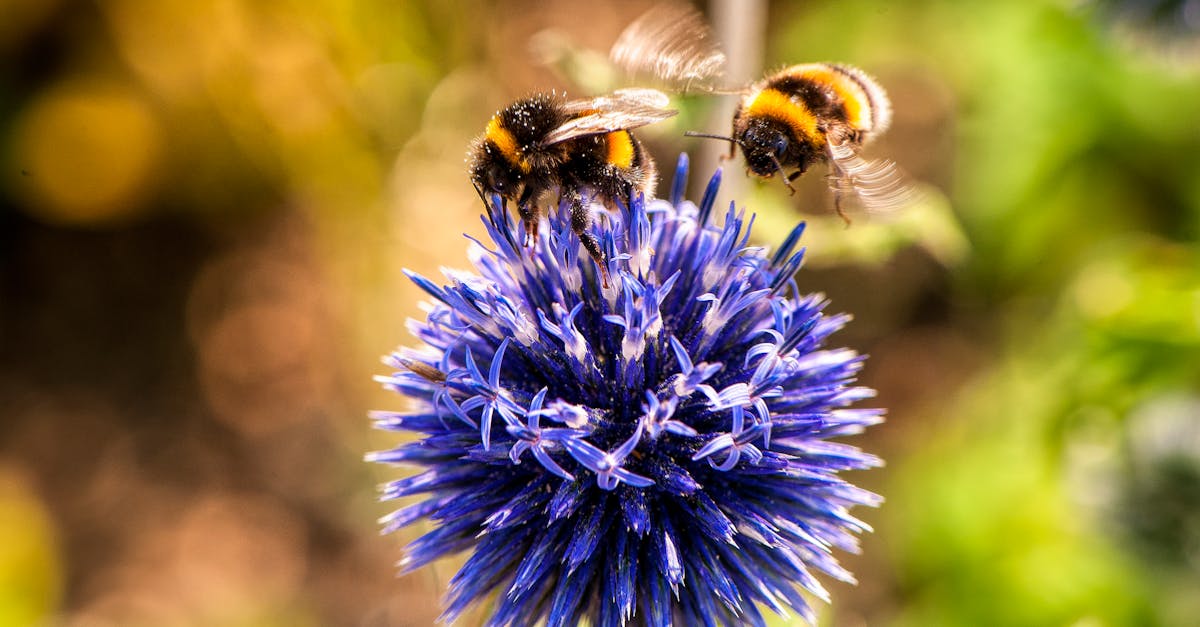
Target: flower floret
<point x="679" y="423"/>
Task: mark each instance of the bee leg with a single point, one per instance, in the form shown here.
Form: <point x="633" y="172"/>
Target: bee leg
<point x="732" y="153"/>
<point x="529" y="217"/>
<point x="580" y="220"/>
<point x="837" y="206"/>
<point x="839" y="182"/>
<point x="787" y="181"/>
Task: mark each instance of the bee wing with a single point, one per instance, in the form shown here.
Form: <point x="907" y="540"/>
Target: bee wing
<point x="878" y="183"/>
<point x="672" y="43"/>
<point x="629" y="98"/>
<point x="622" y="110"/>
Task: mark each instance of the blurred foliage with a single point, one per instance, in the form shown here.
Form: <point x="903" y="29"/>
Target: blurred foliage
<point x="204" y="206"/>
<point x="1017" y="499"/>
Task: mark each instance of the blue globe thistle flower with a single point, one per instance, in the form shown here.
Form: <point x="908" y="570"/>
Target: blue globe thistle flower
<point x="652" y="452"/>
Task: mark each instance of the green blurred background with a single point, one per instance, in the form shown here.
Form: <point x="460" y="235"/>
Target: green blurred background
<point x="205" y="206"/>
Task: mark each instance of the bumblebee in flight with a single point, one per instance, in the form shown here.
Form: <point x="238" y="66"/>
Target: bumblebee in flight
<point x="545" y="142"/>
<point x="819" y="112"/>
<point x="786" y="122"/>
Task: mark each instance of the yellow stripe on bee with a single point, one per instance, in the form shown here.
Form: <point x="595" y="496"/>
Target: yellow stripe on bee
<point x="620" y="149"/>
<point x="776" y="105"/>
<point x="855" y="100"/>
<point x="506" y="144"/>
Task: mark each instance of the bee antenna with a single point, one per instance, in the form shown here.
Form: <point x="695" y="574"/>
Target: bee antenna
<point x="711" y="136"/>
<point x="783" y="175"/>
<point x="479" y="190"/>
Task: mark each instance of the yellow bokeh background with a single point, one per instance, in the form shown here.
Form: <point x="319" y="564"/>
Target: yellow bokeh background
<point x="206" y="207"/>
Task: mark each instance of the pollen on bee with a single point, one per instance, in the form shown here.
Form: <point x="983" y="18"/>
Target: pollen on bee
<point x="504" y="141"/>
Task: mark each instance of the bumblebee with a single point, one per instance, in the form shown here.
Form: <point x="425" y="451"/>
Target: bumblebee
<point x="786" y="122"/>
<point x="818" y="112"/>
<point x="579" y="148"/>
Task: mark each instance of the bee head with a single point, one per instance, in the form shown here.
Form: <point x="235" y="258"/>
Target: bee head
<point x="492" y="174"/>
<point x="769" y="146"/>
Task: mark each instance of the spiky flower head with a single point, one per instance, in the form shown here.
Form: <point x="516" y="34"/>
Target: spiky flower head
<point x="656" y="451"/>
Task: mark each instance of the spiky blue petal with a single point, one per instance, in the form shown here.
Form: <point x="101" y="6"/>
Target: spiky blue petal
<point x="655" y="452"/>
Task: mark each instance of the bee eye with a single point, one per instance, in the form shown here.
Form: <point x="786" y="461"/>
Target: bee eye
<point x="780" y="145"/>
<point x="496" y="180"/>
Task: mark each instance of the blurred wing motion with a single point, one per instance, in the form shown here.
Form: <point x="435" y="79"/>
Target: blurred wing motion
<point x="879" y="185"/>
<point x="624" y="109"/>
<point x="672" y="43"/>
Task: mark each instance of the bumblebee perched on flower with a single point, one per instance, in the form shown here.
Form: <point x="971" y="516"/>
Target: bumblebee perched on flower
<point x="786" y="122"/>
<point x="545" y="142"/>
